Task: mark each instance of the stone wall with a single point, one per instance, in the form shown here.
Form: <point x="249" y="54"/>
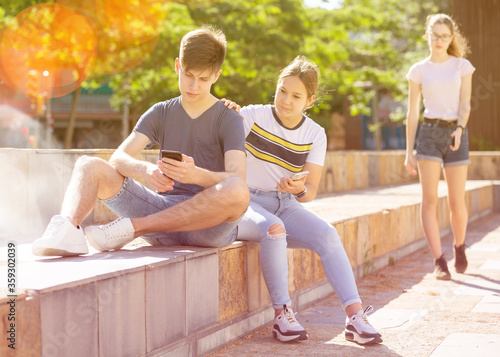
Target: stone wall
<point x="191" y="301"/>
<point x="122" y="294"/>
<point x="33" y="182"/>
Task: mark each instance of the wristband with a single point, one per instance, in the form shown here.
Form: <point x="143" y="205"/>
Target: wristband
<point x="460" y="126"/>
<point x="302" y="194"/>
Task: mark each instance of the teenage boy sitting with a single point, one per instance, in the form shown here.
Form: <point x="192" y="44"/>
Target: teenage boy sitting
<point x="198" y="201"/>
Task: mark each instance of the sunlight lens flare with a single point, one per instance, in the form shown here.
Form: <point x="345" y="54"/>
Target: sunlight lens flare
<point x="128" y="30"/>
<point x="48" y="49"/>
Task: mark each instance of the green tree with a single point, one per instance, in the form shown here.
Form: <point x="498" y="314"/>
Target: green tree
<point x="365" y="41"/>
<point x="263" y="35"/>
<point x="367" y="44"/>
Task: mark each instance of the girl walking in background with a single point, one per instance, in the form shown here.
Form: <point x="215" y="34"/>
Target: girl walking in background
<point x="444" y="81"/>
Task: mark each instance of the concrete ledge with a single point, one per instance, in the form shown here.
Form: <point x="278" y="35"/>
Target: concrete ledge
<point x="187" y="301"/>
<point x="357" y="170"/>
<point x="33" y="185"/>
<point x="34" y="181"/>
<point x="384" y="223"/>
<point x="496" y="197"/>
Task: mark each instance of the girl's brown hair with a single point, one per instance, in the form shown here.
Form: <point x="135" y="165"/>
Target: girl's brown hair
<point x="306" y="70"/>
<point x="458" y="46"/>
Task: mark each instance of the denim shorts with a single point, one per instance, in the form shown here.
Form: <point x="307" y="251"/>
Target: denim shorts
<point x="134" y="200"/>
<point x="434" y="142"/>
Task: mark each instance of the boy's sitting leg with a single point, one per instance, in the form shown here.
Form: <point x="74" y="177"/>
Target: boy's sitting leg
<point x="92" y="177"/>
<point x="208" y="218"/>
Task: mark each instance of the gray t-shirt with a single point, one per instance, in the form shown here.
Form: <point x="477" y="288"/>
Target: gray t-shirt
<point x="205" y="138"/>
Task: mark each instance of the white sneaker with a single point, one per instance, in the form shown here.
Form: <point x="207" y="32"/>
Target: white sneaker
<point x="286" y="328"/>
<point x="359" y="330"/>
<point x="113" y="235"/>
<point x="60" y="238"/>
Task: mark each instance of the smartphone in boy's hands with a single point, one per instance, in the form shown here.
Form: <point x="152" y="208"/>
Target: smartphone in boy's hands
<point x="171" y="154"/>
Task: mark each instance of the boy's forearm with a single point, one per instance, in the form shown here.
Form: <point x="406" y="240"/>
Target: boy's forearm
<point x="235" y="164"/>
<point x="128" y="166"/>
<point x="206" y="178"/>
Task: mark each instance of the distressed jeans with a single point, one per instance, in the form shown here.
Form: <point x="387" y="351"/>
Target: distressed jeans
<point x="304" y="230"/>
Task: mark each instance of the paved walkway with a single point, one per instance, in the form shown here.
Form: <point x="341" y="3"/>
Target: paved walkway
<point x="416" y="314"/>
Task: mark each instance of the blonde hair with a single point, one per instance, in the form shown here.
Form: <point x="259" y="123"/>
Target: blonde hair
<point x="203" y="48"/>
<point x="458" y="46"/>
<point x="306" y="70"/>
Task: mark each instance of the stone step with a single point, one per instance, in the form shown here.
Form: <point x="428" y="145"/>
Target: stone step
<point x="188" y="301"/>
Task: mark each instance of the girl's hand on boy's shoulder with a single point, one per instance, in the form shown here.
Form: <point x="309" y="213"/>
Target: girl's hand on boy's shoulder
<point x="231" y="105"/>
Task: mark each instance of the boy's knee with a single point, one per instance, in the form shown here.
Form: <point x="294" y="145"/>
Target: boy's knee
<point x="86" y="163"/>
<point x="276" y="231"/>
<point x="237" y="190"/>
<point x="95" y="168"/>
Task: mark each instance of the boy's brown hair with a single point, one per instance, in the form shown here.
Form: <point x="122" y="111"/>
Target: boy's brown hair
<point x="202" y="49"/>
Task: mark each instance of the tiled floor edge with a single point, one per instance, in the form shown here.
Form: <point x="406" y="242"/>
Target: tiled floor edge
<point x="496" y="195"/>
<point x="218" y="336"/>
<point x="308" y="297"/>
<point x="399" y="253"/>
<point x="301" y="300"/>
<point x="224" y="334"/>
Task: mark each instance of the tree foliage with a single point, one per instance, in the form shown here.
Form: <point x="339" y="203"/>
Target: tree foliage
<point x="367" y="45"/>
<point x="362" y="46"/>
<point x="262" y="36"/>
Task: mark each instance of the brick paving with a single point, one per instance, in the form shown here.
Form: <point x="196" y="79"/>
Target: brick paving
<point x="416" y="314"/>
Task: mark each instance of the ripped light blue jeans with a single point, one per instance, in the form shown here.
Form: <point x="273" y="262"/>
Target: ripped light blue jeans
<point x="304" y="230"/>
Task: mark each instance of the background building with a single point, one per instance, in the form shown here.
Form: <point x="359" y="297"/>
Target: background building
<point x="479" y="21"/>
